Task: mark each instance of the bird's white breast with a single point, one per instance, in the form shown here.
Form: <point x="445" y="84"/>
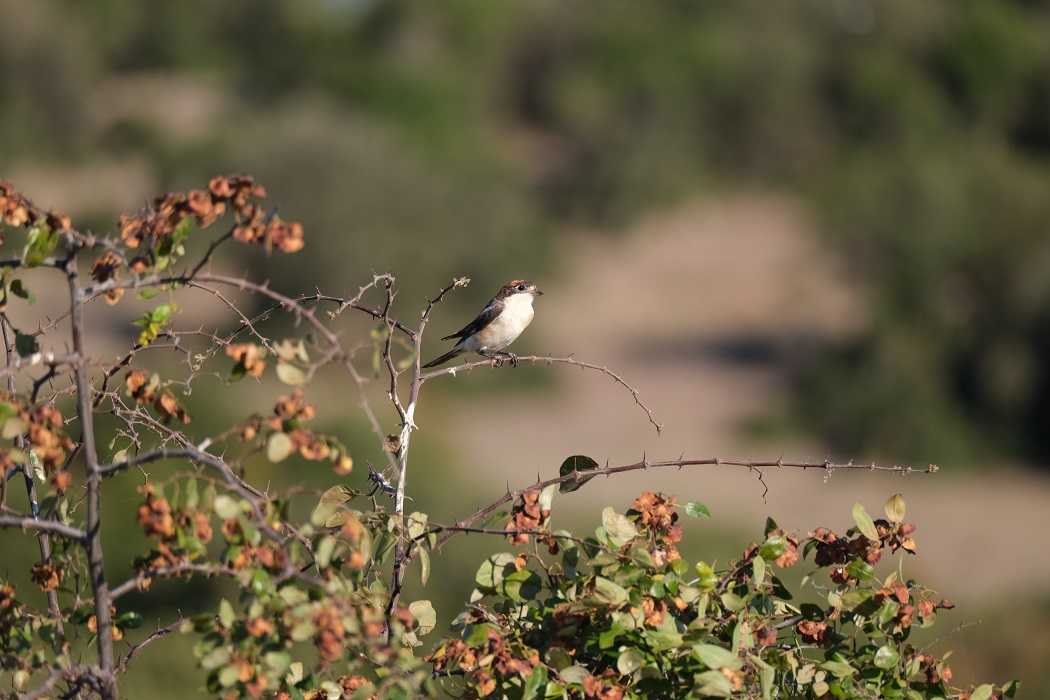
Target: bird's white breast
<point x="517" y="315"/>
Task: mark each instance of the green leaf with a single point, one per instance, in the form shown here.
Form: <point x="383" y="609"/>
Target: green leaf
<point x="278" y="661"/>
<point x="895" y="508"/>
<point x="697" y="510"/>
<point x="864" y="523"/>
<point x="707" y="579"/>
<point x="839" y="669"/>
<point x="521" y="586"/>
<point x="278" y="447"/>
<point x="147" y="293"/>
<point x="886" y="658"/>
<point x="546" y="498"/>
<point x="860" y="569"/>
<point x="773" y="547"/>
<point x="618" y="528"/>
<point x="19" y="289"/>
<point x="229" y="675"/>
<point x="182" y="231"/>
<point x="424" y="566"/>
<point x="758" y="571"/>
<point x="26" y="345"/>
<point x="7" y="410"/>
<point x="290" y="374"/>
<point x="227" y="506"/>
<point x="417" y="525"/>
<point x="716" y="657"/>
<point x="572" y="465"/>
<point x="324" y="551"/>
<point x="771" y="526"/>
<point x="331" y="509"/>
<point x="767" y="676"/>
<point x="982" y="692"/>
<point x="425" y="615"/>
<point x="536" y="686"/>
<point x="712" y="684"/>
<point x="640" y="556"/>
<point x="238" y="373"/>
<point x="39" y="245"/>
<point x="162" y="314"/>
<point x="295" y="673"/>
<point x="608" y="593"/>
<point x="226" y="615"/>
<point x="492" y="571"/>
<point x="576" y="675"/>
<point x="733" y="602"/>
<point x="192" y="498"/>
<point x="130" y="620"/>
<point x="630" y="661"/>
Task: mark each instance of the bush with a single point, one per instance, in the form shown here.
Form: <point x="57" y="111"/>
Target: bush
<point x="313" y="581"/>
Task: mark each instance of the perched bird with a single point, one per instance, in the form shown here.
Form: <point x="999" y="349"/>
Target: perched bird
<point x="497" y="326"/>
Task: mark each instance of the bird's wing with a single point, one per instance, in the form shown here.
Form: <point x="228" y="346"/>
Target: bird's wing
<point x="487" y="316"/>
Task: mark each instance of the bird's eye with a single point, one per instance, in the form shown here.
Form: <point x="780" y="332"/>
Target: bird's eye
<point x="520" y="287"/>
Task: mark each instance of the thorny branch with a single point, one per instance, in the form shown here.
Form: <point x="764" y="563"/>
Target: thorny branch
<point x="407" y="424"/>
<point x="750" y="464"/>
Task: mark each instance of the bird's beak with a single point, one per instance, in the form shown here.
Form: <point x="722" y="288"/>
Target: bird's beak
<point x="538" y="292"/>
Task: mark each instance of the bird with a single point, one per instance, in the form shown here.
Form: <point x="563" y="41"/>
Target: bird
<point x="497" y="326"/>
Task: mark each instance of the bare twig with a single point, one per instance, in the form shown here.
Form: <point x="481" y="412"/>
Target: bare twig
<point x="53" y="527"/>
<point x="547" y="359"/>
<point x="159" y="633"/>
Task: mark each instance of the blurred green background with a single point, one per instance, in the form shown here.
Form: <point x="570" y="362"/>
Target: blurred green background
<point x="499" y="140"/>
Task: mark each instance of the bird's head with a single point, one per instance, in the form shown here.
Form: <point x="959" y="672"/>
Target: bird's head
<point x="519" y="287"/>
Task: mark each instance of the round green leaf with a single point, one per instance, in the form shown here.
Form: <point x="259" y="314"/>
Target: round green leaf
<point x="576" y="675"/>
<point x="521" y="586"/>
<point x="290" y="374"/>
<point x="229" y="675"/>
<point x="886" y="657"/>
<point x="572" y="465"/>
<point x="278" y="447"/>
<point x="773" y="547"/>
<point x="607" y="592"/>
<point x="895" y="508"/>
<point x="630" y="661"/>
<point x="130" y="620"/>
<point x="860" y="569"/>
<point x="716" y="657"/>
<point x="425" y="615"/>
<point x="982" y="692"/>
<point x="492" y="571"/>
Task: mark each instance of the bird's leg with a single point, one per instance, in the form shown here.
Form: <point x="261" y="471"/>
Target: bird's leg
<point x="496" y="358"/>
<point x="499" y="355"/>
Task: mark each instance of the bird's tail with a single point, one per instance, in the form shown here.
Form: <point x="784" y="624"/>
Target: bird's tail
<point x="454" y="352"/>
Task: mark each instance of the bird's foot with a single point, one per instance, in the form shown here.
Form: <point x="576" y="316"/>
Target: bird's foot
<point x="513" y="359"/>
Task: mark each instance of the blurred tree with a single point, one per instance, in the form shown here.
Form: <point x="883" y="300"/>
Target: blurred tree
<point x="460" y="136"/>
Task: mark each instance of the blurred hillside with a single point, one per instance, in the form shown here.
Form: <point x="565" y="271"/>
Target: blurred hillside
<point x="465" y="138"/>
